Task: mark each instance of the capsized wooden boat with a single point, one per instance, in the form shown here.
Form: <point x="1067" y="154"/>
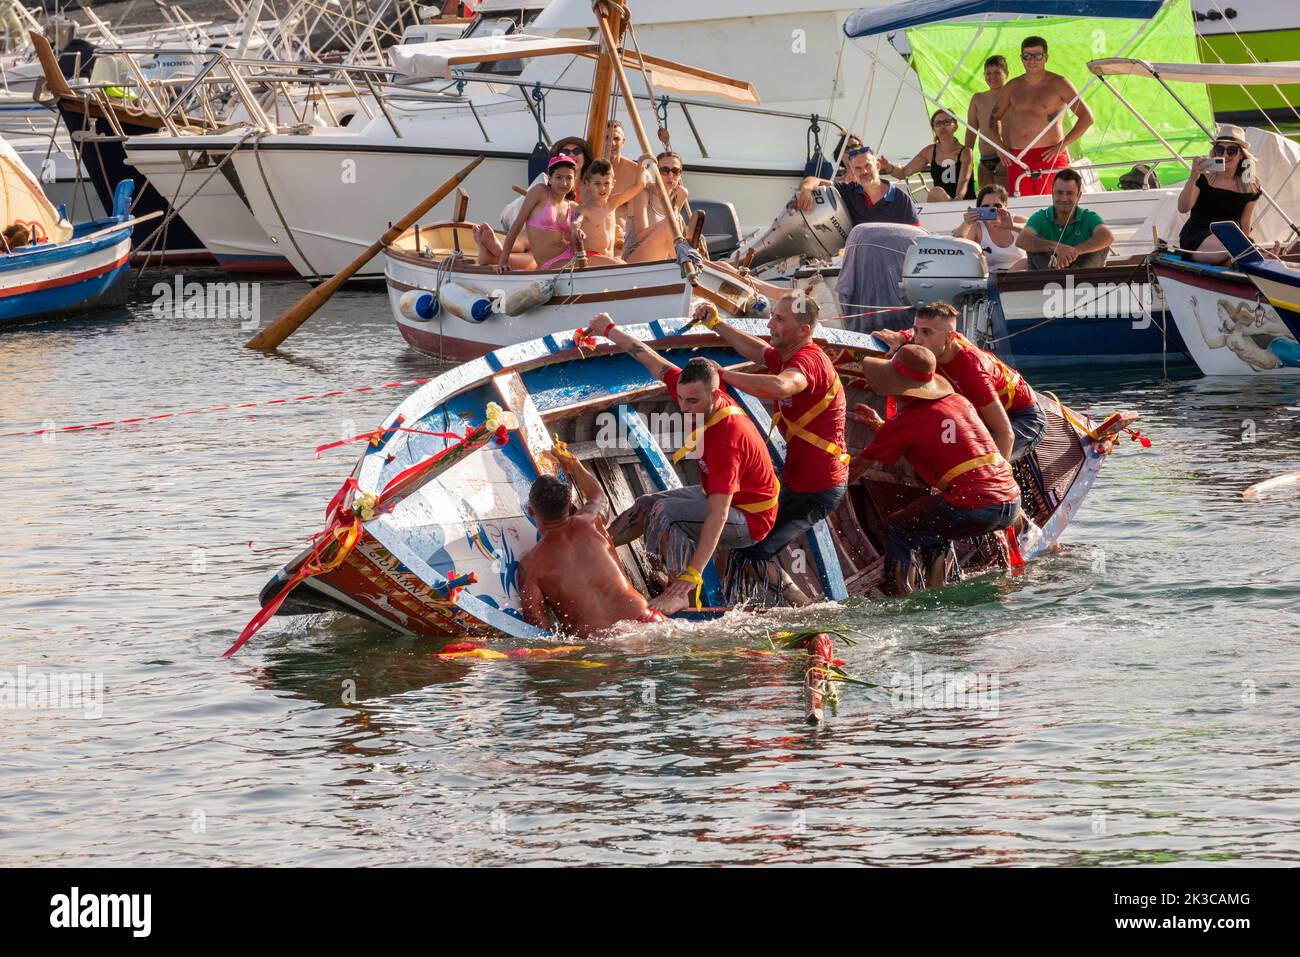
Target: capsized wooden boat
<point x="426" y="535"/>
<point x="448" y="305"/>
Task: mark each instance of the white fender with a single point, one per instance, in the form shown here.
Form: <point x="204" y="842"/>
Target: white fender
<point x="463" y="303"/>
<point x="527" y="297"/>
<point x="418" y="305"/>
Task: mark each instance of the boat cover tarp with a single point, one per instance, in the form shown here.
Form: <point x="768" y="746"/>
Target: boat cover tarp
<point x="1117" y="136"/>
<point x="916" y="13"/>
<point x="868" y="286"/>
<point x="1230" y="74"/>
<point x="437" y="58"/>
<point x="22" y="199"/>
<point x="1279" y="174"/>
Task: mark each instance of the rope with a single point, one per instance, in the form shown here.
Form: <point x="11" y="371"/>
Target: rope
<point x="257" y="154"/>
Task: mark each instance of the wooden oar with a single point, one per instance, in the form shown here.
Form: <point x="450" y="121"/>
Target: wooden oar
<point x="283" y="328"/>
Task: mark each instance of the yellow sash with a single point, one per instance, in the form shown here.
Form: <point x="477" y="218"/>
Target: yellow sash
<point x="796" y="428"/>
<point x="693" y="440"/>
<point x="956" y="471"/>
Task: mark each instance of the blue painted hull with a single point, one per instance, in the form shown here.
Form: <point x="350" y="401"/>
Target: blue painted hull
<point x="68" y="279"/>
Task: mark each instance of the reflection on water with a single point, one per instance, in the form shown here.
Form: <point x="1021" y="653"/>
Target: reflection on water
<point x="1137" y="691"/>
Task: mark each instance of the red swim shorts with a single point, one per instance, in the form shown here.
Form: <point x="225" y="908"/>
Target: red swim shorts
<point x="1020" y="183"/>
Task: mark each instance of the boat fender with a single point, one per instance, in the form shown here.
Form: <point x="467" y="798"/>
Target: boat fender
<point x="467" y="304"/>
<point x="527" y="297"/>
<point x="757" y="306"/>
<point x="418" y="305"/>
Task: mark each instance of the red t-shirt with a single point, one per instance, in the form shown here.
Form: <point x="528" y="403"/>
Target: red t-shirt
<point x="734" y="459"/>
<point x="936" y="435"/>
<point x="807" y="467"/>
<point x="982" y="377"/>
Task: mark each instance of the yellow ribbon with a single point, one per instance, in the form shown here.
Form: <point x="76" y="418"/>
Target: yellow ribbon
<point x="695" y="578"/>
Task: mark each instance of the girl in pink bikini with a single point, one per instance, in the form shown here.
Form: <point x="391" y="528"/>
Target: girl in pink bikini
<point x="547" y="215"/>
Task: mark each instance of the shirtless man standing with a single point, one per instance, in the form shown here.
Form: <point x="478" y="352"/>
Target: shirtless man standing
<point x="1025" y="106"/>
<point x="978" y="118"/>
<point x="626" y="173"/>
<point x="573" y="570"/>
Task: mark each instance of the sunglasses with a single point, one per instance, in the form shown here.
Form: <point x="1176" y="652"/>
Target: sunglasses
<point x="949" y="121"/>
<point x="1226" y="150"/>
<point x="1033" y="57"/>
<point x="571" y="151"/>
<point x="857" y="151"/>
<point x="670" y="170"/>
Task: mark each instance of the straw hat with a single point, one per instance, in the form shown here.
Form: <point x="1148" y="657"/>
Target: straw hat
<point x="910" y="374"/>
<point x="1233" y="134"/>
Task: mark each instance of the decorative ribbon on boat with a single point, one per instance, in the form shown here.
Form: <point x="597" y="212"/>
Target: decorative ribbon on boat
<point x="344" y="521"/>
<point x="584" y="342"/>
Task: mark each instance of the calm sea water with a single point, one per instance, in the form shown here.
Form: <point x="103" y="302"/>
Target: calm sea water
<point x="1131" y="700"/>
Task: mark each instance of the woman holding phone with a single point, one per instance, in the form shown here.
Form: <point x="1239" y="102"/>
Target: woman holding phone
<point x="1221" y="187"/>
<point x="991" y="225"/>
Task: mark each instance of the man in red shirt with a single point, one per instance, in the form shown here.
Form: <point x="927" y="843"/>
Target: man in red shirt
<point x="734" y="505"/>
<point x="1005" y="401"/>
<point x="808" y="406"/>
<point x="943" y="439"/>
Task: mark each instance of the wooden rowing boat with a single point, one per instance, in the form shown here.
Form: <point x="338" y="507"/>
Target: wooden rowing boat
<point x="426" y="535"/>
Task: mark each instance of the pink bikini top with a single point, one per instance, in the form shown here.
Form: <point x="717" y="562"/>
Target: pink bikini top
<point x="545" y="219"/>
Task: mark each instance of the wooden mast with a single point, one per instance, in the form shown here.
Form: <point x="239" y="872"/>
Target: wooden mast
<point x="603" y="83"/>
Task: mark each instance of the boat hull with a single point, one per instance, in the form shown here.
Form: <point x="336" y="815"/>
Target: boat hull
<point x="440" y="558"/>
<point x="1229" y="327"/>
<point x="69" y="279"/>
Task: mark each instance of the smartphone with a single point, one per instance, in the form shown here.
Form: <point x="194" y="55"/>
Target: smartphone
<point x="1218" y="164"/>
<point x="987" y="214"/>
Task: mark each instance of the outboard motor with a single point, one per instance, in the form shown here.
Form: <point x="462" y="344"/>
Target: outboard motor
<point x="944" y="269"/>
<point x="817" y="234"/>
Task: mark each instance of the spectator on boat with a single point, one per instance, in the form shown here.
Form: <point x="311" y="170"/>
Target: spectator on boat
<point x="997" y="237"/>
<point x="950" y="163"/>
<point x="577" y="151"/>
<point x="1006" y="403"/>
<point x="546" y="218"/>
<point x="1212" y="196"/>
<point x="808" y="406"/>
<point x="979" y="119"/>
<point x="573" y="571"/>
<point x="15" y="237"/>
<point x="735" y="504"/>
<point x="1027" y="117"/>
<point x="598" y="211"/>
<point x="941" y="436"/>
<point x="627" y="172"/>
<point x="1065" y="234"/>
<point x="651" y="238"/>
<point x="851" y="142"/>
<point x="867" y="198"/>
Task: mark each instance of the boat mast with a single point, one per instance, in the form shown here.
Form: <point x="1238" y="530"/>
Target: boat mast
<point x="610" y="15"/>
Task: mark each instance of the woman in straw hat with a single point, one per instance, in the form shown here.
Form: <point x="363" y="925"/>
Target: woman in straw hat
<point x="1221" y="188"/>
<point x="942" y="437"/>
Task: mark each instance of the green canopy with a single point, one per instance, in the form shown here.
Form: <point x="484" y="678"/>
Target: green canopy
<point x="1117" y="136"/>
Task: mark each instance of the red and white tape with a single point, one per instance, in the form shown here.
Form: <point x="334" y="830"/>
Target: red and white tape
<point x="138" y="420"/>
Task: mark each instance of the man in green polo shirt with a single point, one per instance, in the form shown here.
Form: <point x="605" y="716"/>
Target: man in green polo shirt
<point x="1064" y="234"/>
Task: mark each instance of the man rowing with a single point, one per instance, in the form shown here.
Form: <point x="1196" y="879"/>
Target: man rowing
<point x="573" y="571"/>
<point x="943" y="439"/>
<point x="1005" y="402"/>
<point x="735" y="504"/>
<point x="1027" y="118"/>
<point x="808" y="402"/>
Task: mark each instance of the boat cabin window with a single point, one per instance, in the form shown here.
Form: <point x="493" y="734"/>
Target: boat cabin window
<point x="502" y="23"/>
